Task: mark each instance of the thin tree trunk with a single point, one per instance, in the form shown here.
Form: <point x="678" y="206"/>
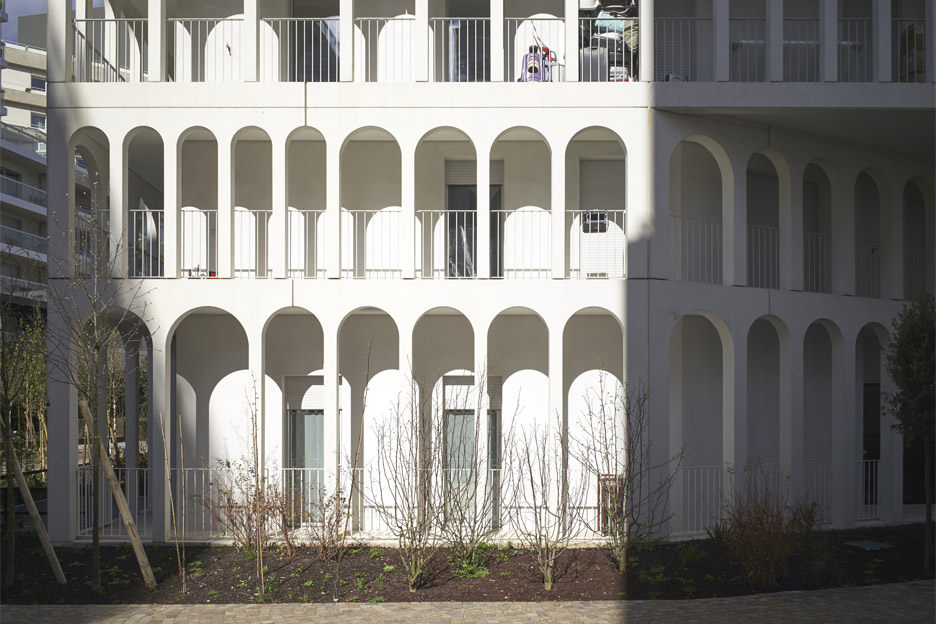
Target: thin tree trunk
<point x="928" y="499"/>
<point x="10" y="516"/>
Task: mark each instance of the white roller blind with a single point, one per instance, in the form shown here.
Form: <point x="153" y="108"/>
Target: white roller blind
<point x="602" y="184"/>
<point x="466" y="172"/>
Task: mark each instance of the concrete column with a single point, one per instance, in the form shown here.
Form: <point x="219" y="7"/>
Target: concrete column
<point x="332" y="428"/>
<point x="775" y="40"/>
<point x="497" y="40"/>
<point x="721" y="40"/>
<point x="571" y="40"/>
<point x="557" y="207"/>
<point x="62" y="418"/>
<point x="171" y="204"/>
<point x="483" y="225"/>
<point x="131" y="421"/>
<point x="828" y="41"/>
<point x="277" y="247"/>
<point x="929" y="9"/>
<point x="734" y="408"/>
<point x="346" y="37"/>
<point x="249" y="58"/>
<point x="119" y="241"/>
<point x="333" y="209"/>
<point x="481" y="363"/>
<point x="163" y="376"/>
<point x="421" y="71"/>
<point x="408" y="213"/>
<point x="646" y="42"/>
<point x="60" y="176"/>
<point x="557" y="413"/>
<point x="734" y="227"/>
<point x="639" y="203"/>
<point x="60" y="38"/>
<point x="843" y="238"/>
<point x="845" y="448"/>
<point x="791" y="410"/>
<point x="791" y="231"/>
<point x="225" y="207"/>
<point x="881" y="30"/>
<point x="890" y="480"/>
<point x="156" y="34"/>
<point x="256" y="366"/>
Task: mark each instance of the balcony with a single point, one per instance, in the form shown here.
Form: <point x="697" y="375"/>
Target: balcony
<point x="25" y="289"/>
<point x="110" y="50"/>
<point x="24" y="240"/>
<point x="697" y="249"/>
<point x="35" y="199"/>
<point x="27" y="139"/>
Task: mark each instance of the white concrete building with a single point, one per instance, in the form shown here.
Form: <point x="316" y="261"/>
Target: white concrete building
<point x="294" y="185"/>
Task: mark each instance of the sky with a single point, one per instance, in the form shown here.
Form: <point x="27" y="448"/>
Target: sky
<point x="15" y="8"/>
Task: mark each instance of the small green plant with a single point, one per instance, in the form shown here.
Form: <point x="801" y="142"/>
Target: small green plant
<point x="505" y="573"/>
<point x="361" y="582"/>
<point x="655" y="575"/>
<point x="389" y="568"/>
<point x="236" y="569"/>
<point x="328" y="576"/>
<point x="690" y="555"/>
<point x="212" y="593"/>
<point x="353" y="598"/>
<point x="375" y="553"/>
<point x="375" y="599"/>
<point x="195" y="568"/>
<point x="470" y="570"/>
<point x="309" y="583"/>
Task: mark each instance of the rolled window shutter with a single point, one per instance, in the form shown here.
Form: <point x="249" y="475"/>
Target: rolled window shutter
<point x="601" y="184"/>
<point x="465" y="172"/>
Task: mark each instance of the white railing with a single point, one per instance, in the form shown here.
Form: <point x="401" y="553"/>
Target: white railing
<point x="817" y="274"/>
<point x="521" y="245"/>
<point x="135" y="483"/>
<point x="25" y="192"/>
<point x="748" y="47"/>
<point x="697" y="249"/>
<point x="909" y="50"/>
<point x="386" y="47"/>
<point x="607" y="49"/>
<point x="817" y="486"/>
<point x="370" y="244"/>
<point x="856" y="53"/>
<point x="460" y="49"/>
<point x="701" y="490"/>
<point x="305" y="238"/>
<point x="597" y="244"/>
<point x="109" y="50"/>
<point x="298" y="49"/>
<point x="28" y="138"/>
<point x="868" y="489"/>
<point x="683" y="49"/>
<point x="24" y="240"/>
<point x="195" y="492"/>
<point x="763" y="256"/>
<point x="800" y="50"/>
<point x="448" y="240"/>
<point x="204" y="49"/>
<point x="304" y="489"/>
<point x="146" y="243"/>
<point x="534" y="49"/>
<point x="199" y="243"/>
<point x="251" y="236"/>
<point x="914" y="270"/>
<point x="867" y="268"/>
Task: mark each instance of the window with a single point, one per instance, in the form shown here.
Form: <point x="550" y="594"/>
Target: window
<point x="37" y="121"/>
<point x="37" y="83"/>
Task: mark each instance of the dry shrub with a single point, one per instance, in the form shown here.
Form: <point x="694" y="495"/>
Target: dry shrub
<point x="327" y="527"/>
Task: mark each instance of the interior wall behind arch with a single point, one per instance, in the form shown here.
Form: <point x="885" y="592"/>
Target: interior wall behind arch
<point x="701" y="374"/>
<point x="701" y="184"/>
<point x="817" y="394"/>
<point x="763" y="404"/>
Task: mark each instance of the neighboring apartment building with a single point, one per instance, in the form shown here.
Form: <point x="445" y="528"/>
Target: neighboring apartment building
<point x="729" y="213"/>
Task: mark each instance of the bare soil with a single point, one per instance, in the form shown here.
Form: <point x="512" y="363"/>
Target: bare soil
<point x="222" y="574"/>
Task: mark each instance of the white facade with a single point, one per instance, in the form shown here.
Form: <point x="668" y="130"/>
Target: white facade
<point x="735" y="230"/>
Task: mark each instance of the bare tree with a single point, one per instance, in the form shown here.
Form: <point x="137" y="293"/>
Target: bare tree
<point x="613" y="447"/>
<point x="543" y="502"/>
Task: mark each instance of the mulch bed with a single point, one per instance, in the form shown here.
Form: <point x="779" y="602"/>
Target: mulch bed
<point x="222" y="574"/>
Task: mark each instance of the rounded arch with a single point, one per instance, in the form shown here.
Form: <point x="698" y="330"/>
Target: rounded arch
<point x="766" y="406"/>
<point x="443" y="340"/>
<point x="520" y="133"/>
<point x="517" y="339"/>
<point x="592" y="339"/>
<point x="305" y="133"/>
<point x="195" y="133"/>
<point x="368" y="339"/>
<point x="446" y="133"/>
<point x="918" y="239"/>
<point x="768" y="201"/>
<point x="597" y="133"/>
<point x="369" y="133"/>
<point x="871" y="212"/>
<point x="200" y="310"/>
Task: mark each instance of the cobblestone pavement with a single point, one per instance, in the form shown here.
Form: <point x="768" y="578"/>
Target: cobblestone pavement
<point x="900" y="602"/>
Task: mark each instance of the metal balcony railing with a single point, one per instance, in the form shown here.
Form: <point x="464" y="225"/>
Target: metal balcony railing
<point x="867" y="268"/>
<point x="800" y="50"/>
<point x="199" y="243"/>
<point x="597" y="244"/>
<point x="251" y="236"/>
<point x="460" y="49"/>
<point x="305" y="236"/>
<point x="748" y="49"/>
<point x="30" y="139"/>
<point x="534" y="49"/>
<point x="683" y="48"/>
<point x="25" y="192"/>
<point x="521" y="244"/>
<point x="146" y="243"/>
<point x="606" y="49"/>
<point x="817" y="274"/>
<point x="298" y="49"/>
<point x="817" y="487"/>
<point x="701" y="490"/>
<point x="110" y="50"/>
<point x="914" y="270"/>
<point x="386" y="47"/>
<point x="763" y="256"/>
<point x="370" y="244"/>
<point x="24" y="240"/>
<point x="697" y="249"/>
<point x="869" y="471"/>
<point x="304" y="489"/>
<point x="856" y="50"/>
<point x="135" y="483"/>
<point x="909" y="50"/>
<point x="449" y="244"/>
<point x="204" y="49"/>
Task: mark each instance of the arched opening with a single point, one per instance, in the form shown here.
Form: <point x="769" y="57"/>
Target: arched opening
<point x="89" y="208"/>
<point x="763" y="223"/>
<point x="144" y="191"/>
<point x="521" y="213"/>
<point x="915" y="255"/>
<point x="447" y="205"/>
<point x="817" y="417"/>
<point x="198" y="190"/>
<point x="869" y="372"/>
<point x="253" y="202"/>
<point x="868" y="248"/>
<point x="747" y="34"/>
<point x="817" y="230"/>
<point x="696" y="209"/>
<point x="763" y="401"/>
<point x="371" y="212"/>
<point x="697" y="404"/>
<point x="305" y="203"/>
<point x="596" y="207"/>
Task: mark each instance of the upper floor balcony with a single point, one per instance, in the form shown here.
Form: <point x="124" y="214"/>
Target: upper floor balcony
<point x="495" y="41"/>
